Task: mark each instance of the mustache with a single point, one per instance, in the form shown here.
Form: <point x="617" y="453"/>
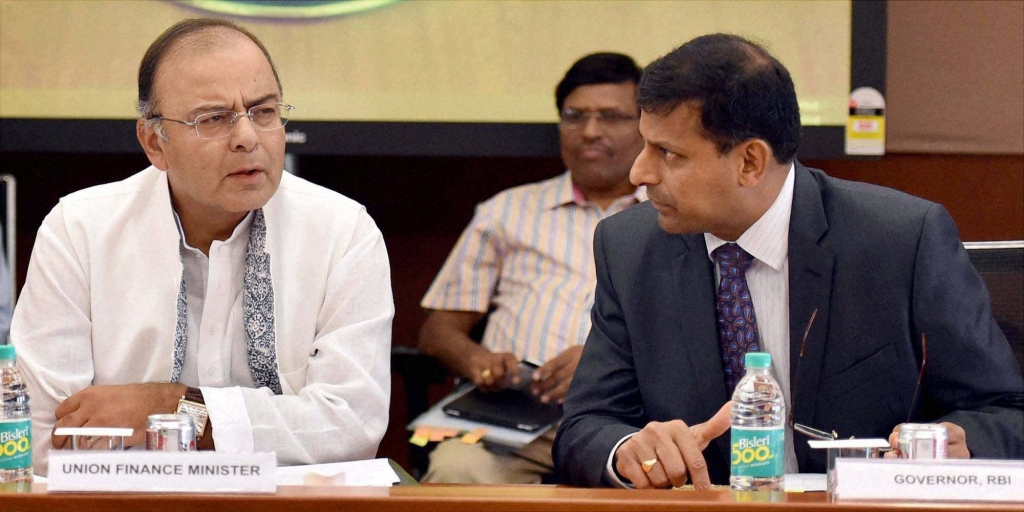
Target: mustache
<point x="596" y="145"/>
<point x="655" y="196"/>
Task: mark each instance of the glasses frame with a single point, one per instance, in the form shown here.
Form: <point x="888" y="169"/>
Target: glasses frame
<point x="234" y="117"/>
<point x="814" y="433"/>
<point x="610" y="118"/>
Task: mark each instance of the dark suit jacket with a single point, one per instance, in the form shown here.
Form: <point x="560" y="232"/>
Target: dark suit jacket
<point x="881" y="267"/>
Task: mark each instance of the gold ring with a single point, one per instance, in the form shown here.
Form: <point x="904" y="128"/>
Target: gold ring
<point x="485" y="373"/>
<point x="648" y="465"/>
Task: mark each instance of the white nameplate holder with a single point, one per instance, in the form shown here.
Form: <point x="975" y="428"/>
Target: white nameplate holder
<point x="154" y="471"/>
<point x="84" y="438"/>
<point x="929" y="480"/>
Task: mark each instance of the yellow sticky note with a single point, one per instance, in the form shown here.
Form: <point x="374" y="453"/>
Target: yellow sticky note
<point x="420" y="437"/>
<point x="474" y="436"/>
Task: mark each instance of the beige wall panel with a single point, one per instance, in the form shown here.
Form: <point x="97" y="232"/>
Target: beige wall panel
<point x="411" y="61"/>
<point x="956" y="77"/>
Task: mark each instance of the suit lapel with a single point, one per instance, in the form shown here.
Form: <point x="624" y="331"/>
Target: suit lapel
<point x="692" y="271"/>
<point x="693" y="274"/>
<point x="810" y="289"/>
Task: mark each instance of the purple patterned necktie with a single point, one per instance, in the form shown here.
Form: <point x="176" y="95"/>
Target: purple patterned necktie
<point x="737" y="324"/>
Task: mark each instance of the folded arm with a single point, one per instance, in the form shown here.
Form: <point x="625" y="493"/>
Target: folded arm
<point x="459" y="298"/>
<point x="445" y="335"/>
<point x="339" y="411"/>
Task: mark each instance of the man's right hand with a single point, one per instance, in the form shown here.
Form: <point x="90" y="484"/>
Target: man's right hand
<point x="123" y="405"/>
<point x="491" y="371"/>
<point x="675" y="450"/>
<point x="445" y="335"/>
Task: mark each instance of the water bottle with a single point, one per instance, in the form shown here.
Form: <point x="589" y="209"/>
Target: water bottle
<point x="15" y="425"/>
<point x="758" y="428"/>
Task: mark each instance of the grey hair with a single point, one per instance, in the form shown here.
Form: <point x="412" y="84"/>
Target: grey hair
<point x="145" y="110"/>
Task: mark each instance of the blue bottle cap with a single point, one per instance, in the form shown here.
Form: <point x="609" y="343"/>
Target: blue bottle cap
<point x="7" y="352"/>
<point x="757" y="360"/>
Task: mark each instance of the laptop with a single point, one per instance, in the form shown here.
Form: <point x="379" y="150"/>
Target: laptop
<point x="510" y="408"/>
<point x="513" y="407"/>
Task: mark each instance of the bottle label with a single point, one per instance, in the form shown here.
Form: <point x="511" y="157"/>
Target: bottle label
<point x="15" y="444"/>
<point x="758" y="451"/>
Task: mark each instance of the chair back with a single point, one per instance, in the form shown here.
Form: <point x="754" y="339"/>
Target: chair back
<point x="1001" y="265"/>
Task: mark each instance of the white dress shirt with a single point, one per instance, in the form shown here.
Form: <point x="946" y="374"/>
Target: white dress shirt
<point x="99" y="306"/>
<point x="217" y="356"/>
<point x="767" y="240"/>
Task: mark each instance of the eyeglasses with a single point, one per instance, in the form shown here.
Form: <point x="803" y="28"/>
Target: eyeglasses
<point x="214" y="125"/>
<point x="792" y="388"/>
<point x="574" y="119"/>
<point x="814" y="433"/>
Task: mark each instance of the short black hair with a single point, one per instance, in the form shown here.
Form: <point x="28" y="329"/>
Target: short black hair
<point x="744" y="92"/>
<point x="597" y="68"/>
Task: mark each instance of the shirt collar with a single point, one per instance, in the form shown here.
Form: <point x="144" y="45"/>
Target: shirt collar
<point x="566" y="192"/>
<point x="767" y="239"/>
<point x="241" y="229"/>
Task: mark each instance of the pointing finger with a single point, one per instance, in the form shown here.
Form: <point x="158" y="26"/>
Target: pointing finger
<point x="714" y="427"/>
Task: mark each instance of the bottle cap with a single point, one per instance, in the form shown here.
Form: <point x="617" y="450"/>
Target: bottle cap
<point x="7" y="352"/>
<point x="757" y="360"/>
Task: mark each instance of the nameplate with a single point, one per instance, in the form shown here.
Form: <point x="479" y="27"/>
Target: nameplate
<point x="929" y="480"/>
<point x="145" y="471"/>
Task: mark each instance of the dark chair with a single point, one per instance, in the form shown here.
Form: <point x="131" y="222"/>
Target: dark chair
<point x="419" y="373"/>
<point x="1001" y="265"/>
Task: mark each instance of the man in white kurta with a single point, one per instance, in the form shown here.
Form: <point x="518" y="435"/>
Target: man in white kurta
<point x="142" y="289"/>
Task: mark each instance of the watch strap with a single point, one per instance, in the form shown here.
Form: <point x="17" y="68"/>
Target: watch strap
<point x="194" y="395"/>
<point x="193" y="405"/>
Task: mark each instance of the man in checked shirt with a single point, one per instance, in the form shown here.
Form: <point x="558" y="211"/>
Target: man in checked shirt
<point x="528" y="255"/>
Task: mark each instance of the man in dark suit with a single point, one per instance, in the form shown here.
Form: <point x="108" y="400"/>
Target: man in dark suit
<point x="878" y="271"/>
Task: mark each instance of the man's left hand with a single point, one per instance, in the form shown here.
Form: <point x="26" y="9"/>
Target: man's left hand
<point x="551" y="381"/>
<point x="122" y="406"/>
<point x="957" y="448"/>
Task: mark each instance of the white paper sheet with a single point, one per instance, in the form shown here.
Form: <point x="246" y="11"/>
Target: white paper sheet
<point x="805" y="482"/>
<point x="359" y="473"/>
<point x="849" y="443"/>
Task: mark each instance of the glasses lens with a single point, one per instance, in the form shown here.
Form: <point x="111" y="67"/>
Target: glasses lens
<point x="573" y="118"/>
<point x="214" y="124"/>
<point x="268" y="116"/>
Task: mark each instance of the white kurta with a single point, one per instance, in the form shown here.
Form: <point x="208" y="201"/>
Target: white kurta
<point x="99" y="307"/>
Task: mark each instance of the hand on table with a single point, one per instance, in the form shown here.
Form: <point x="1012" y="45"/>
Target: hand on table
<point x="672" y="451"/>
<point x="551" y="381"/>
<point x="121" y="406"/>
<point x="957" y="448"/>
